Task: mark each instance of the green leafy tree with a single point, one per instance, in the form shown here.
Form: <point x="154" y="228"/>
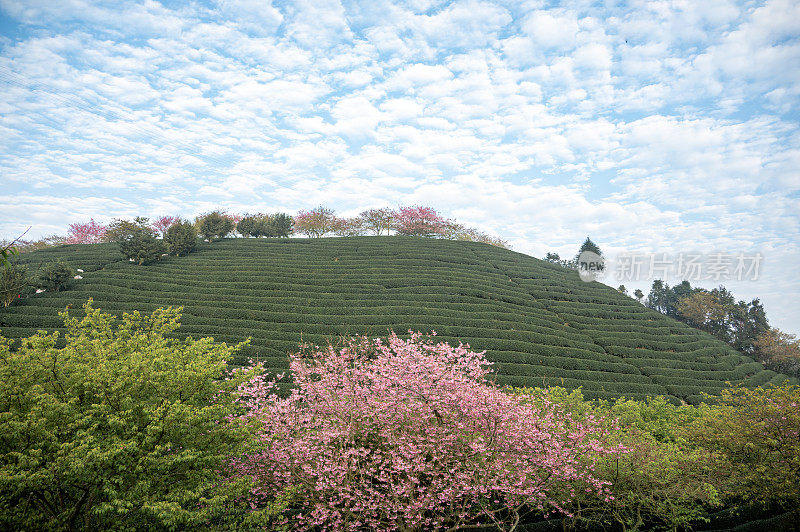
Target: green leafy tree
<point x="214" y="225"/>
<point x="142" y="246"/>
<point x="123" y="428"/>
<point x="749" y="322"/>
<point x="705" y="311"/>
<point x="247" y="225"/>
<point x="181" y="237"/>
<point x="13" y="278"/>
<point x="119" y="229"/>
<point x="55" y="275"/>
<point x="282" y="225"/>
<point x="717" y="312"/>
<point x="663" y="481"/>
<point x="639" y="295"/>
<point x="665" y="299"/>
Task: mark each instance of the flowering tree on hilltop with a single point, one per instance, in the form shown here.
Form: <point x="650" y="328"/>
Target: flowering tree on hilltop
<point x="162" y="223"/>
<point x="90" y="232"/>
<point x="409" y="435"/>
<point x="419" y="221"/>
<point x="316" y="223"/>
<point x="378" y="220"/>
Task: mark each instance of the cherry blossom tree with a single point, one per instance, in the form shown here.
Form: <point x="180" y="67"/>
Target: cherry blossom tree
<point x="349" y="226"/>
<point x="162" y="223"/>
<point x="316" y="222"/>
<point x="378" y="220"/>
<point x="419" y="221"/>
<point x="89" y="232"/>
<point x="410" y="435"/>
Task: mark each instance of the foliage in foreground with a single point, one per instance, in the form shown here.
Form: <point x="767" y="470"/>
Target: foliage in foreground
<point x="664" y="481"/>
<point x="122" y="428"/>
<point x="409" y="435"/>
<point x="757" y="433"/>
<point x="739" y="450"/>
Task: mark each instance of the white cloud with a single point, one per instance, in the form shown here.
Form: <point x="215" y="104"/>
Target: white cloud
<point x="654" y="125"/>
<point x="552" y="29"/>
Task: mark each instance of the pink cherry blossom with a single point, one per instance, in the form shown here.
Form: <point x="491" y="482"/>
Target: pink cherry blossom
<point x="90" y="232"/>
<point x="410" y="435"/>
<point x="419" y="221"/>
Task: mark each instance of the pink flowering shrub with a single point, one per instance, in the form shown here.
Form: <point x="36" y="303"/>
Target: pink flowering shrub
<point x="410" y="435"/>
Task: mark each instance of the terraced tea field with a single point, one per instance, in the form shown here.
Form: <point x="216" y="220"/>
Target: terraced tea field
<point x="540" y="324"/>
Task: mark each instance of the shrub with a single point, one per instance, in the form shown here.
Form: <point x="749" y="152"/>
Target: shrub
<point x="142" y="246"/>
<point x="268" y="225"/>
<point x="181" y="237"/>
<point x="215" y="224"/>
<point x="55" y="275"/>
<point x="123" y="428"/>
<point x="408" y="434"/>
<point x="757" y="431"/>
<point x="13" y="278"/>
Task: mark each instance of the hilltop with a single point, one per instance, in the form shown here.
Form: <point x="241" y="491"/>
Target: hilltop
<point x="538" y="322"/>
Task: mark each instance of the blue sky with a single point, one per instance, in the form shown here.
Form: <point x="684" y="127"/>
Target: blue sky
<point x="659" y="126"/>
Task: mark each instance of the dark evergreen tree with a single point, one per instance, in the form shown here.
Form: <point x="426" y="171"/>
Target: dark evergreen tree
<point x="588" y="245"/>
<point x="181" y="238"/>
<point x="281" y="224"/>
<point x="55" y="275"/>
<point x="214" y="225"/>
<point x="246" y="226"/>
<point x="142" y="246"/>
<point x="659" y="296"/>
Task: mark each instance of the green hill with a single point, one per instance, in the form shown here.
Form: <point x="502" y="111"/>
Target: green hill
<point x="538" y="322"/>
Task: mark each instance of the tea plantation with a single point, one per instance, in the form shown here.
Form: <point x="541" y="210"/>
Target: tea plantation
<point x="539" y="323"/>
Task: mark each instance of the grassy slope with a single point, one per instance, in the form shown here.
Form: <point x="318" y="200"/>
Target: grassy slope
<point x="538" y="322"/>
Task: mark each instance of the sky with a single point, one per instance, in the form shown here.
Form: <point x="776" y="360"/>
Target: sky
<point x="658" y="128"/>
